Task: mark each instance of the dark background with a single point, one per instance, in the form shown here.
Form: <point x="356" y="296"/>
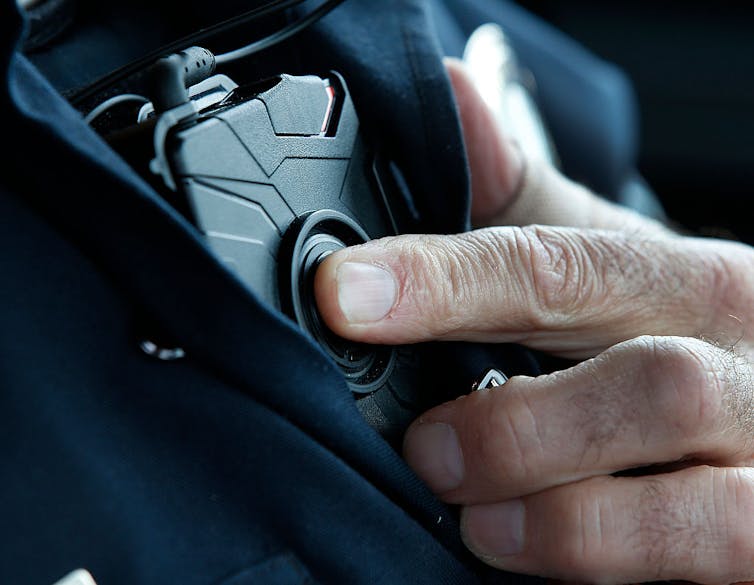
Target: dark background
<point x="692" y="65"/>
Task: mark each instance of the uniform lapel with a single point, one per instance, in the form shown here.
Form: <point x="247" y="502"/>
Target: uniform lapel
<point x="69" y="176"/>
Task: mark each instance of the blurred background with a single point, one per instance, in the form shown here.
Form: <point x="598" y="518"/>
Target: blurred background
<point x="692" y="65"/>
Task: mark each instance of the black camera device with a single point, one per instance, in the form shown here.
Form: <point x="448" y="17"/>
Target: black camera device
<point x="277" y="175"/>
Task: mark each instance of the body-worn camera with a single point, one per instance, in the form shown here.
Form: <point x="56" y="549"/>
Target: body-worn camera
<point x="277" y="175"/>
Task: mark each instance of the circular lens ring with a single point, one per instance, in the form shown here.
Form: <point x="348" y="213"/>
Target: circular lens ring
<point x="318" y="234"/>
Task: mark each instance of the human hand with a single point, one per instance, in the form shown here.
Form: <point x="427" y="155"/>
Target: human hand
<point x="662" y="322"/>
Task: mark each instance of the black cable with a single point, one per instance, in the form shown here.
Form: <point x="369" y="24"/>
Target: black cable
<point x="113" y="101"/>
<point x="281" y="35"/>
<point x="272" y="7"/>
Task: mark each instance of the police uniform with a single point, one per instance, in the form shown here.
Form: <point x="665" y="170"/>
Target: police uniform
<point x="246" y="461"/>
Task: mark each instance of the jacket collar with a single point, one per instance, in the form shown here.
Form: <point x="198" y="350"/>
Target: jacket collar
<point x="149" y="252"/>
<point x="11" y="29"/>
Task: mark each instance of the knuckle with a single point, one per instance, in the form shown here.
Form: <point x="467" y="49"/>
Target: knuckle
<point x="686" y="383"/>
<point x="725" y="274"/>
<point x="668" y="534"/>
<point x="602" y="416"/>
<point x="716" y="285"/>
<point x="719" y="272"/>
<point x="588" y="521"/>
<point x="737" y="485"/>
<point x="563" y="272"/>
<point x="698" y="526"/>
<point x="507" y="441"/>
<point x="695" y="524"/>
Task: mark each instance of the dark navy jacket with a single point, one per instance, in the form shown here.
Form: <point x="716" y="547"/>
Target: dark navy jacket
<point x="247" y="461"/>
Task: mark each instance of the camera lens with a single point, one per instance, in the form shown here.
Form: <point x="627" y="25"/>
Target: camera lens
<point x="309" y="241"/>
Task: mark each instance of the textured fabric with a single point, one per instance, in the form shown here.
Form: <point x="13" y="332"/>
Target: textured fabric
<point x="247" y="461"/>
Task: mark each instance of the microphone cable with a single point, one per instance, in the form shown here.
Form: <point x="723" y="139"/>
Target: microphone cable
<point x="81" y="97"/>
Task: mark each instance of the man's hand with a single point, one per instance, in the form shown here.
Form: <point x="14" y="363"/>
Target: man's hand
<point x="663" y="323"/>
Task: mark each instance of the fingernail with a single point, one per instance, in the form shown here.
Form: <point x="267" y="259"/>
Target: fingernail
<point x="366" y="292"/>
<point x="452" y="61"/>
<point x="495" y="530"/>
<point x="434" y="453"/>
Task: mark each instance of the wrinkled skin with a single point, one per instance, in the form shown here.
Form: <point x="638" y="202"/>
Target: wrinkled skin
<point x="662" y="326"/>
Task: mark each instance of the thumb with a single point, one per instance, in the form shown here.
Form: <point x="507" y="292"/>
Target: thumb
<point x="402" y="289"/>
<point x="496" y="163"/>
<point x="511" y="189"/>
<point x="413" y="288"/>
